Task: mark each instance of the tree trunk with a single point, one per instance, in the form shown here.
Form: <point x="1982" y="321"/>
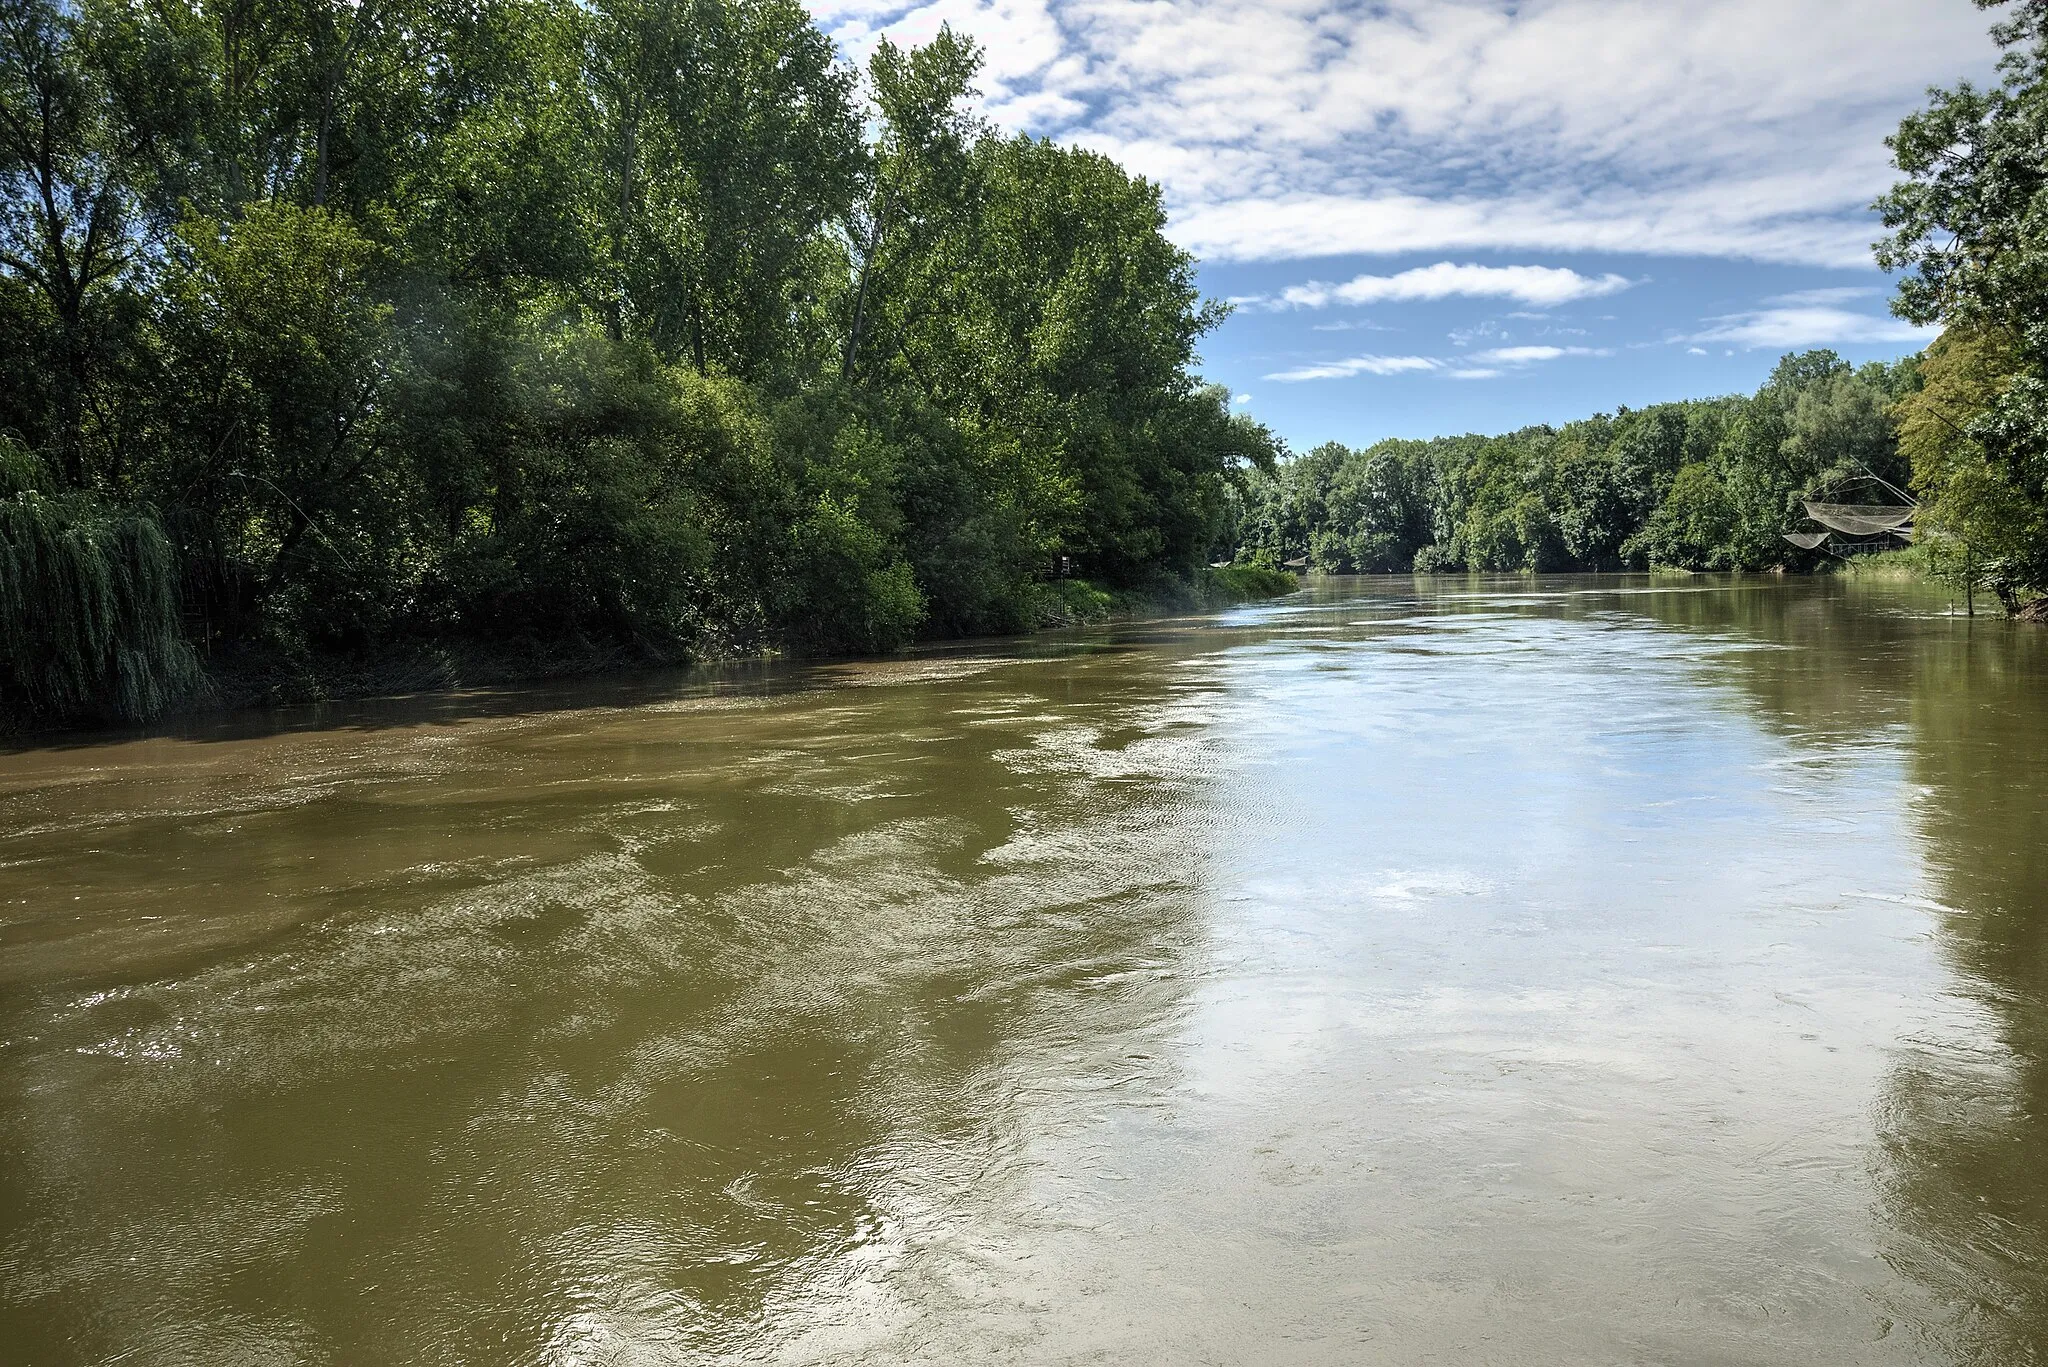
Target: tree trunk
<point x="860" y="294"/>
<point x="320" y="149"/>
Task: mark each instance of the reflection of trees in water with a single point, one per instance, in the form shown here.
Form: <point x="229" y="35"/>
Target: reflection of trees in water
<point x="1965" y="1175"/>
<point x="1962" y="1123"/>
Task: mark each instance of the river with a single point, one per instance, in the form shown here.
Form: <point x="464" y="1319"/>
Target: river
<point x="1558" y="971"/>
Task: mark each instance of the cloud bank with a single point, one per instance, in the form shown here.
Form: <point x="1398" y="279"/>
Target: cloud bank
<point x="1746" y="129"/>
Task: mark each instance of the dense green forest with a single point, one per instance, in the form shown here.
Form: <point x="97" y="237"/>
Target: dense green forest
<point x="643" y="323"/>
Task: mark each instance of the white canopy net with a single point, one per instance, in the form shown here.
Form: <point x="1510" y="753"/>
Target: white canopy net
<point x="1805" y="541"/>
<point x="1860" y="519"/>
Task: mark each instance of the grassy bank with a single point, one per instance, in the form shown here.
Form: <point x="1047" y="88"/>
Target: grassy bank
<point x="1909" y="564"/>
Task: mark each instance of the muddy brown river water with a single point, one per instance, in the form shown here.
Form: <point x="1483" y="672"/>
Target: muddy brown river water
<point x="1570" y="971"/>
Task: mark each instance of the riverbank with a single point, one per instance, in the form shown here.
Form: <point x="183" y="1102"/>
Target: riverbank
<point x="258" y="678"/>
<point x="1079" y="602"/>
<point x="1911" y="565"/>
<point x="1905" y="565"/>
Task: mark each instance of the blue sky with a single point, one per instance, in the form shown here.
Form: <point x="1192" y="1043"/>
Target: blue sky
<point x="1458" y="215"/>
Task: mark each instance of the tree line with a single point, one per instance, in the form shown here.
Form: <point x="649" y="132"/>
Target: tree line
<point x="1710" y="485"/>
<point x="1705" y="485"/>
<point x="328" y="324"/>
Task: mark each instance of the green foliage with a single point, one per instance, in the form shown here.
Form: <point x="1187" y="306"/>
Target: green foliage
<point x="1072" y="602"/>
<point x="1969" y="229"/>
<point x="606" y="519"/>
<point x="1976" y="522"/>
<point x="1702" y="485"/>
<point x="1694" y="528"/>
<point x="1242" y="583"/>
<point x="853" y="593"/>
<point x="1068" y="603"/>
<point x="647" y="326"/>
<point x="88" y="604"/>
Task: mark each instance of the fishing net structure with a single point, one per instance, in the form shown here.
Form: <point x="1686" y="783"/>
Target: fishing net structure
<point x="1848" y="529"/>
<point x="1860" y="519"/>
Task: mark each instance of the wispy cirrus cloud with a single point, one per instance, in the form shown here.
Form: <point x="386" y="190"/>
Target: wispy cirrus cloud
<point x="1357" y="365"/>
<point x="1840" y="294"/>
<point x="1807" y="325"/>
<point x="1484" y="365"/>
<point x="1545" y="285"/>
<point x="1820" y="224"/>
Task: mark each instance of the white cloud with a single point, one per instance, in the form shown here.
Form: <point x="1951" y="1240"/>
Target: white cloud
<point x="1840" y="294"/>
<point x="1739" y="128"/>
<point x="1695" y="351"/>
<point x="1807" y="326"/>
<point x="1726" y="220"/>
<point x="1242" y="399"/>
<point x="1445" y="280"/>
<point x="1357" y="365"/>
<point x="1484" y="330"/>
<point x="1483" y="365"/>
<point x="1529" y="355"/>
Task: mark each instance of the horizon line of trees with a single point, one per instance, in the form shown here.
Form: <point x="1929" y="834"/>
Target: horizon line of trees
<point x="1702" y="484"/>
<point x="332" y="324"/>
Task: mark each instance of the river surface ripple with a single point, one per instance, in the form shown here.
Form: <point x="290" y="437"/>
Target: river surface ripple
<point x="1568" y="971"/>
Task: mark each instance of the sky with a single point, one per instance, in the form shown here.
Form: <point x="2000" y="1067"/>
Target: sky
<point x="1439" y="216"/>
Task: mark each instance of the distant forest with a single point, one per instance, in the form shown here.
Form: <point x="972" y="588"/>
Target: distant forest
<point x="651" y="327"/>
<point x="1703" y="485"/>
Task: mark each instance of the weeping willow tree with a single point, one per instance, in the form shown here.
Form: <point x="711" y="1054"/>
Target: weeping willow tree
<point x="89" y="624"/>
